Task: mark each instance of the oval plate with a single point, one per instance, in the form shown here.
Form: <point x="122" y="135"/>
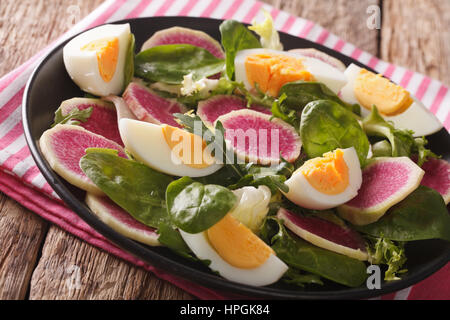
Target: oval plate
<point x="50" y="84"/>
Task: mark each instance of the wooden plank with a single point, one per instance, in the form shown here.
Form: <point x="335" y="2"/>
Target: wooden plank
<point x="416" y="34"/>
<point x="346" y="19"/>
<point x="72" y="269"/>
<point x="21" y="235"/>
<point x="27" y="26"/>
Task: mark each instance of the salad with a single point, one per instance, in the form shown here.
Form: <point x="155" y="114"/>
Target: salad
<point x="265" y="165"/>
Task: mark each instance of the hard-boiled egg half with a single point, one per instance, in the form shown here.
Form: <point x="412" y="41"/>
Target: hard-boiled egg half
<point x="95" y="60"/>
<point x="393" y="102"/>
<point x="236" y="253"/>
<point x="326" y="182"/>
<point x="167" y="149"/>
<point x="271" y="69"/>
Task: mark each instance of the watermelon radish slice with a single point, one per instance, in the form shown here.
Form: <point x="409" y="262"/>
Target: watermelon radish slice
<point x="437" y="177"/>
<point x="259" y="138"/>
<point x="65" y="144"/>
<point x="314" y="53"/>
<point x="119" y="220"/>
<point x="179" y="35"/>
<point x="148" y="106"/>
<point x="325" y="234"/>
<point x="386" y="182"/>
<point x="103" y="119"/>
<point x="209" y="110"/>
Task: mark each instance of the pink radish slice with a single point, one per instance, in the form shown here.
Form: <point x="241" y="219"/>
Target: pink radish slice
<point x="179" y="35"/>
<point x="64" y="145"/>
<point x="314" y="53"/>
<point x="386" y="182"/>
<point x="437" y="177"/>
<point x="120" y="220"/>
<point x="148" y="106"/>
<point x="103" y="119"/>
<point x="209" y="110"/>
<point x="325" y="234"/>
<point x="258" y="138"/>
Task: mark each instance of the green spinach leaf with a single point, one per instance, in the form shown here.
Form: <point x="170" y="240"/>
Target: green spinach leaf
<point x="326" y="125"/>
<point x="300" y="93"/>
<point x="194" y="207"/>
<point x="171" y="238"/>
<point x="235" y="37"/>
<point x="299" y="278"/>
<point x="136" y="188"/>
<point x="422" y="215"/>
<point x="170" y="63"/>
<point x="302" y="255"/>
<point x="129" y="62"/>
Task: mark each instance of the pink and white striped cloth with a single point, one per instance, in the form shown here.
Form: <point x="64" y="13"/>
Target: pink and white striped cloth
<point x="22" y="181"/>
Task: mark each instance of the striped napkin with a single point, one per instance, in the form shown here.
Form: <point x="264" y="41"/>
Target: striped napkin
<point x="21" y="180"/>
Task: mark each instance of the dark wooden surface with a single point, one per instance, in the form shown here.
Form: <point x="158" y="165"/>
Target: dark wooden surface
<point x="41" y="261"/>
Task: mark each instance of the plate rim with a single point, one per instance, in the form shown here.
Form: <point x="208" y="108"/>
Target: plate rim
<point x="176" y="268"/>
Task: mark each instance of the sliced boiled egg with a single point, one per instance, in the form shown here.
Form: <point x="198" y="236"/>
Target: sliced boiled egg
<point x="270" y="69"/>
<point x="167" y="149"/>
<point x="236" y="253"/>
<point x="326" y="182"/>
<point x="392" y="101"/>
<point x="95" y="59"/>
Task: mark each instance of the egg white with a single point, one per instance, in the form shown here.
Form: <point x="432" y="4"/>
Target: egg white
<point x="416" y="118"/>
<point x="82" y="65"/>
<point x="332" y="77"/>
<point x="267" y="273"/>
<point x="146" y="142"/>
<point x="302" y="193"/>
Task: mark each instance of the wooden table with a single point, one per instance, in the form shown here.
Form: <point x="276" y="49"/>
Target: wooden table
<point x="39" y="260"/>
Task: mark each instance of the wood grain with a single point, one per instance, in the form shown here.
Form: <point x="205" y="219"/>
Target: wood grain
<point x="347" y="19"/>
<point x="27" y="26"/>
<point x="416" y="35"/>
<point x="70" y="268"/>
<point x="21" y="235"/>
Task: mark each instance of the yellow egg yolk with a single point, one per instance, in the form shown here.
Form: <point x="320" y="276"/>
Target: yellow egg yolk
<point x="271" y="71"/>
<point x="187" y="147"/>
<point x="237" y="244"/>
<point x="328" y="174"/>
<point x="373" y="89"/>
<point x="107" y="51"/>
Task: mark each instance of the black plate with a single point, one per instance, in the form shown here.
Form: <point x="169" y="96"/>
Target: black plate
<point x="50" y="84"/>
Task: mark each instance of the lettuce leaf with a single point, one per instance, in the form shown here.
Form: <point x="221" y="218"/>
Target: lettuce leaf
<point x="269" y="36"/>
<point x="402" y="141"/>
<point x="390" y="253"/>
